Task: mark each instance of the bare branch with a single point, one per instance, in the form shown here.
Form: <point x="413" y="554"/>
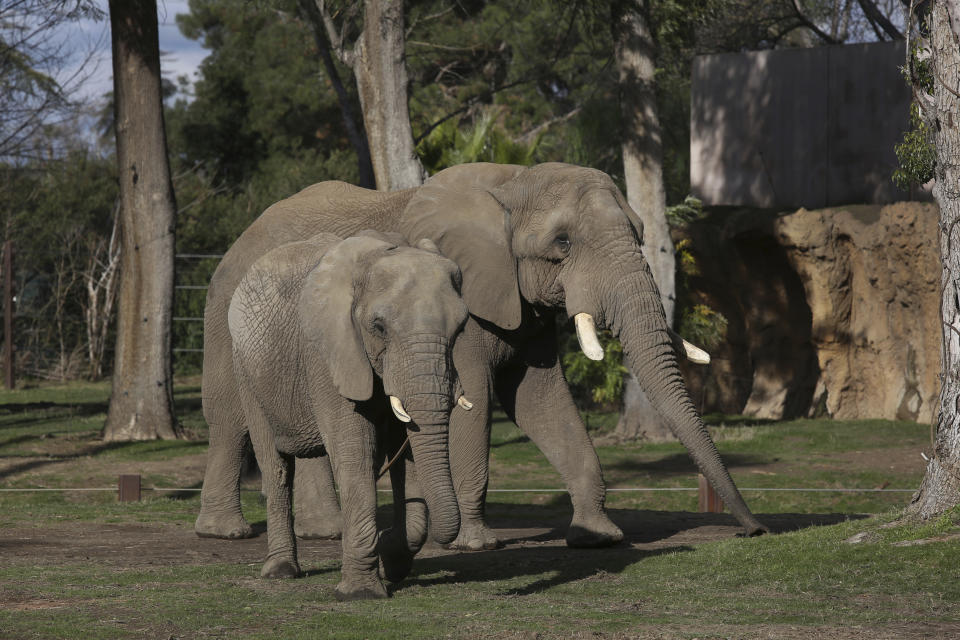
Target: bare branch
<point x="336" y="38"/>
<point x="808" y="23"/>
<point x="432" y="16"/>
<point x="443" y="47"/>
<point x="876" y="17"/>
<point x="531" y="135"/>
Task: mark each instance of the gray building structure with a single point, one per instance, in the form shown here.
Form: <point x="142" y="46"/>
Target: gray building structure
<point x="799" y="127"/>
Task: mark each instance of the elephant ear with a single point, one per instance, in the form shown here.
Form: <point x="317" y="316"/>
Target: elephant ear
<point x="326" y="314"/>
<point x="632" y="216"/>
<point x="456" y="211"/>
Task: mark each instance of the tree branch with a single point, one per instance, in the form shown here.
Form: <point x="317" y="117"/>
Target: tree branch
<point x="336" y="38"/>
<point x="826" y="37"/>
<point x="875" y="17"/>
<point x="531" y="135"/>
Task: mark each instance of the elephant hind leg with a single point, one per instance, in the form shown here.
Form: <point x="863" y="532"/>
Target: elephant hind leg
<point x="317" y="514"/>
<point x="220" y="512"/>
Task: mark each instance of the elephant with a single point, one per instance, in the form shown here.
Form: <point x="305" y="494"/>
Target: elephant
<point x="327" y="334"/>
<point x="531" y="243"/>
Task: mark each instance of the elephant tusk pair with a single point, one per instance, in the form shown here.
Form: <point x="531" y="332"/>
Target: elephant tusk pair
<point x="402" y="415"/>
<point x="590" y="344"/>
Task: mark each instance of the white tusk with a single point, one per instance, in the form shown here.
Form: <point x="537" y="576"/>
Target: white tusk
<point x="464" y="403"/>
<point x="587" y="336"/>
<point x="398" y="411"/>
<point x="696" y="354"/>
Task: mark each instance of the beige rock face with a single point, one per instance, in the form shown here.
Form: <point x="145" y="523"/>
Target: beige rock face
<point x="831" y="312"/>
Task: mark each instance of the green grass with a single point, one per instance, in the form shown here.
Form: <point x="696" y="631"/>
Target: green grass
<point x="808" y="582"/>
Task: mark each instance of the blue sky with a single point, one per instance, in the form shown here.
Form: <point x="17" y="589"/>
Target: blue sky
<point x="179" y="56"/>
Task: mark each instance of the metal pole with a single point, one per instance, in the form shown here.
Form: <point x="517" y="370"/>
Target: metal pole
<point x="8" y="311"/>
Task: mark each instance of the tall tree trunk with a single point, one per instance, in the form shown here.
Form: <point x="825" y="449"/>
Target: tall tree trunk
<point x="940" y="489"/>
<point x="381" y="70"/>
<point x="141" y="403"/>
<point x="643" y="173"/>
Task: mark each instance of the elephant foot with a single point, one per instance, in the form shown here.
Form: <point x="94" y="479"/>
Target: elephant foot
<point x="474" y="536"/>
<point x="280" y="568"/>
<point x="313" y="527"/>
<point x="348" y="590"/>
<point x="592" y="532"/>
<point x="396" y="556"/>
<point x="228" y="526"/>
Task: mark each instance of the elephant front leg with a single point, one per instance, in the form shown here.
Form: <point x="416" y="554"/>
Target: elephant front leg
<point x="318" y="514"/>
<point x="539" y="401"/>
<point x="403" y="540"/>
<point x="350" y="444"/>
<point x="470" y="462"/>
<point x="277" y="470"/>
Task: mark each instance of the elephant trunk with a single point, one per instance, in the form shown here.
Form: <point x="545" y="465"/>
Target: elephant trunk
<point x="636" y="317"/>
<point x="426" y="391"/>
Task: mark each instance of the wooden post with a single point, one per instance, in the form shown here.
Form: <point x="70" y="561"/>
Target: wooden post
<point x="8" y="313"/>
<point x="707" y="499"/>
<point x="130" y="488"/>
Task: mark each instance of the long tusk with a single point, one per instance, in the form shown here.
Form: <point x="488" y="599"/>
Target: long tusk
<point x="587" y="336"/>
<point x="398" y="411"/>
<point x="464" y="403"/>
<point x="694" y="353"/>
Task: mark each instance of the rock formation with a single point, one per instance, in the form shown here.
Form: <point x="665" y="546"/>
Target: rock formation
<point x="831" y="312"/>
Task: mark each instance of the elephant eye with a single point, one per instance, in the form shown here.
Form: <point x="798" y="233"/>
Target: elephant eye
<point x="377" y="326"/>
<point x="563" y="242"/>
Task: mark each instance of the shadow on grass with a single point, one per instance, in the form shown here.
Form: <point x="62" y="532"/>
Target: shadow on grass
<point x="559" y="564"/>
<point x="681" y="464"/>
<point x="139" y="448"/>
<point x="49" y="411"/>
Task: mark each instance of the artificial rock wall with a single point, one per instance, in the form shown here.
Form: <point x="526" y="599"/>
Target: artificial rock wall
<point x="831" y="312"/>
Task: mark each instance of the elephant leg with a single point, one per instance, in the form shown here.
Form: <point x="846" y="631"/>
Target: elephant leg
<point x="315" y="498"/>
<point x="470" y="460"/>
<point x="539" y="401"/>
<point x="277" y="471"/>
<point x="350" y="444"/>
<point x="220" y="513"/>
<point x="402" y="541"/>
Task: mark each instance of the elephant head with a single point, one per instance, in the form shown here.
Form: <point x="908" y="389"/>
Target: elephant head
<point x="563" y="237"/>
<point x="371" y="307"/>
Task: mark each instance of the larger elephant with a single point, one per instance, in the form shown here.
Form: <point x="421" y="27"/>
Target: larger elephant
<point x="531" y="243"/>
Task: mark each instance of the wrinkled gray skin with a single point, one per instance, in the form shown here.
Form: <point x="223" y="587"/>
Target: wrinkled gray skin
<point x="314" y="324"/>
<point x="531" y="242"/>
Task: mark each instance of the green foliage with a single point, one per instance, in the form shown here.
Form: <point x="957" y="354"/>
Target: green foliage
<point x="916" y="153"/>
<point x="703" y="326"/>
<point x="449" y="145"/>
<point x="684" y="213"/>
<point x="599" y="382"/>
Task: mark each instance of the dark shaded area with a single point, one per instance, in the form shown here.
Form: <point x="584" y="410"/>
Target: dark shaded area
<point x="681" y="464"/>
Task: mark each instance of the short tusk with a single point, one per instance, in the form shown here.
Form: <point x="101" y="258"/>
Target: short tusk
<point x="587" y="336"/>
<point x="398" y="411"/>
<point x="694" y="353"/>
<point x="465" y="404"/>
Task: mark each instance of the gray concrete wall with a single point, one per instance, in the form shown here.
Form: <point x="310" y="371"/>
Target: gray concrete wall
<point x="799" y="127"/>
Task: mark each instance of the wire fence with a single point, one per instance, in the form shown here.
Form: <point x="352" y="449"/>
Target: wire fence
<point x="190" y="288"/>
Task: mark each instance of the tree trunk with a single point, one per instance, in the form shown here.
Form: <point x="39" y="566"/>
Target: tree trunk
<point x="940" y="489"/>
<point x="141" y="403"/>
<point x="643" y="174"/>
<point x="356" y="134"/>
<point x="381" y="70"/>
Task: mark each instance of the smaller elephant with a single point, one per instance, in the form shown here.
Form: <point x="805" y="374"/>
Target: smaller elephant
<point x="328" y="336"/>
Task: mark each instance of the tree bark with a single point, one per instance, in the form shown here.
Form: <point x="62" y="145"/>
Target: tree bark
<point x="940" y="488"/>
<point x="356" y="134"/>
<point x="381" y="71"/>
<point x="643" y="173"/>
<point x="141" y="402"/>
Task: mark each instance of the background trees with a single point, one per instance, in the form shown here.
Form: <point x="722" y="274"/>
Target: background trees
<point x="526" y="81"/>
